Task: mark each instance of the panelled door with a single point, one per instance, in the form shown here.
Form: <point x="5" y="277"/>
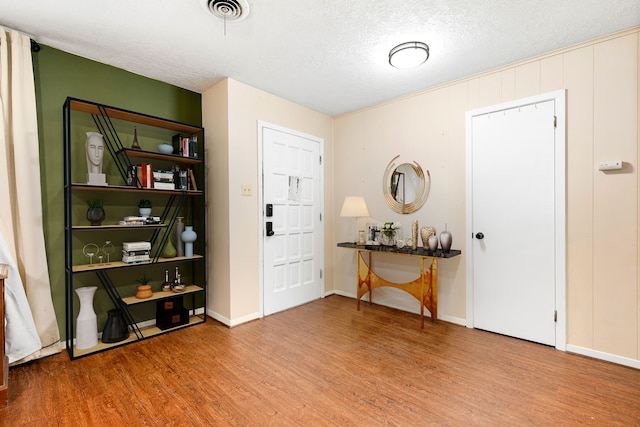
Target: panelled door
<point x="292" y="218"/>
<point x="516" y="219"/>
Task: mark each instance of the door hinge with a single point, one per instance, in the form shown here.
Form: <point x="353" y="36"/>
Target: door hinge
<point x="555" y="315"/>
<point x="320" y="160"/>
<point x="555" y="121"/>
<point x="321" y="273"/>
<point x="320" y="217"/>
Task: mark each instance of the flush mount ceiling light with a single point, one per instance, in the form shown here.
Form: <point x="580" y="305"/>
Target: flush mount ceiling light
<point x="409" y="55"/>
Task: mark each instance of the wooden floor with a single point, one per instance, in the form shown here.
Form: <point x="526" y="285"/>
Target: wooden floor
<point x="325" y="364"/>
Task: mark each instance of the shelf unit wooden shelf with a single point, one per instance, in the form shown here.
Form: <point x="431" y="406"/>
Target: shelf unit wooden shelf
<point x="111" y="227"/>
<point x="162" y="295"/>
<point x="80" y="117"/>
<point x="147" y="332"/>
<point x="129" y="189"/>
<point x="84" y="268"/>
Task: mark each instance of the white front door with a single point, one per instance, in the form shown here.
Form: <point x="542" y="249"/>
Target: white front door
<point x="516" y="157"/>
<point x="292" y="238"/>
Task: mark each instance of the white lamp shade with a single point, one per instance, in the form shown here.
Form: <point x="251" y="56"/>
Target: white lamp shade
<point x="354" y="206"/>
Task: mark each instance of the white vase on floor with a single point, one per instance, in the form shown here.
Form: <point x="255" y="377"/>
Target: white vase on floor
<point x="87" y="322"/>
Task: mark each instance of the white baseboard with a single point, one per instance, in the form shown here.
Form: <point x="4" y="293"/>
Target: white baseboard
<point x="450" y="319"/>
<point x="620" y="360"/>
<point x="235" y="322"/>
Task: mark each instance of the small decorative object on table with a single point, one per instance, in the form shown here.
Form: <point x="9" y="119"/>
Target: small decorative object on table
<point x="179" y="242"/>
<point x="144" y="290"/>
<point x="90" y="250"/>
<point x="432" y="243"/>
<point x="115" y="329"/>
<point x="135" y="144"/>
<point x="95" y="213"/>
<point x="166" y="285"/>
<point x="414" y="235"/>
<point x="425" y="233"/>
<point x="165" y="149"/>
<point x="86" y="322"/>
<point x="389" y="232"/>
<point x="188" y="237"/>
<point x="108" y="249"/>
<point x="446" y="239"/>
<point x="144" y="208"/>
<point x="178" y="286"/>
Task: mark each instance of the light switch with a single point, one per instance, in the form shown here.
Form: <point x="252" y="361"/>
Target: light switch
<point x="246" y="190"/>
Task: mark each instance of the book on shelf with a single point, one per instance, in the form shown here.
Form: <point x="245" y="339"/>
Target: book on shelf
<point x="133" y="259"/>
<point x="185" y="146"/>
<point x="132" y="176"/>
<point x="164" y="185"/>
<point x="193" y="146"/>
<point x="146" y="171"/>
<point x="192" y="181"/>
<point x="136" y="253"/>
<point x="136" y="246"/>
<point x="176" y="141"/>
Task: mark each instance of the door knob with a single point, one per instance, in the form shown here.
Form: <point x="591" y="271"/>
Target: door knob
<point x="479" y="236"/>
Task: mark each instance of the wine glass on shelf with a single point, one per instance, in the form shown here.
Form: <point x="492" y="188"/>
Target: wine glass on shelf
<point x="90" y="250"/>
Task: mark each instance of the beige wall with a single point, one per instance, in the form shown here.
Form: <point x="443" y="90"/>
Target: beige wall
<point x="231" y="111"/>
<point x="602" y="82"/>
<point x="603" y="283"/>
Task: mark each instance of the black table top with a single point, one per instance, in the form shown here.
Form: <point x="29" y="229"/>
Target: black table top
<point x="406" y="250"/>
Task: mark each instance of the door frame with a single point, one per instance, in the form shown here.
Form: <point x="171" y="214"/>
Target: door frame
<point x="559" y="202"/>
<point x="261" y="229"/>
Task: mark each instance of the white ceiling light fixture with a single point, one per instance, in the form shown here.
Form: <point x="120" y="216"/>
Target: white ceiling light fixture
<point x="409" y="55"/>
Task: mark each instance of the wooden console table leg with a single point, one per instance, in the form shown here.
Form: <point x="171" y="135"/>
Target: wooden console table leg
<point x="363" y="268"/>
<point x="434" y="288"/>
<point x="429" y="289"/>
<point x="424" y="289"/>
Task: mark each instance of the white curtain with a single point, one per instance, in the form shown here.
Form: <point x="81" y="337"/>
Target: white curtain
<point x="21" y="223"/>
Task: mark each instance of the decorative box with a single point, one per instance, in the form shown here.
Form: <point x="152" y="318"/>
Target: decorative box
<point x="171" y="319"/>
<point x="169" y="304"/>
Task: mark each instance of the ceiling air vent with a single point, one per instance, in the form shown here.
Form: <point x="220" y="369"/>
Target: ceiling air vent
<point x="228" y="10"/>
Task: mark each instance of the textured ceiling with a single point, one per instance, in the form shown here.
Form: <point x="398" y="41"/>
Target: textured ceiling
<point x="328" y="55"/>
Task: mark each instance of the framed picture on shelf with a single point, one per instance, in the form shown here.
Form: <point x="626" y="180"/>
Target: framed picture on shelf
<point x="373" y="233"/>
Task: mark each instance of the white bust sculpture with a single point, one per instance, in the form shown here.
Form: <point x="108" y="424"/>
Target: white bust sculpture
<point x="94" y="147"/>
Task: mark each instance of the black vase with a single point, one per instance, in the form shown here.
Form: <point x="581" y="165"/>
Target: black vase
<point x="116" y="329"/>
<point x="95" y="216"/>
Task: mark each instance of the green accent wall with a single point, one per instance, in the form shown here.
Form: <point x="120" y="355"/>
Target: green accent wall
<point x="59" y="75"/>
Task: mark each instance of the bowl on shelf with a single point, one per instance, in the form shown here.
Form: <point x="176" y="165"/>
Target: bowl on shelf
<point x="165" y="148"/>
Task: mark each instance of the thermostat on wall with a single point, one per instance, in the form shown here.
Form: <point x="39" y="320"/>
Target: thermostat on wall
<point x="611" y="165"/>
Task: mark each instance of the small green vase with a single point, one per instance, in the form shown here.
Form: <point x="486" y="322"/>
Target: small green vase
<point x="169" y="250"/>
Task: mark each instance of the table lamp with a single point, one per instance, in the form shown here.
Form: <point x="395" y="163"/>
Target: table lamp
<point x="355" y="207"/>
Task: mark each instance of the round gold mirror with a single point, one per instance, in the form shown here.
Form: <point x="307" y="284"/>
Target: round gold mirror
<point x="405" y="186"/>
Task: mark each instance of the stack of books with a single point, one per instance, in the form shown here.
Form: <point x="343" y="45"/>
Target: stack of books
<point x="143" y="176"/>
<point x="140" y="220"/>
<point x="185" y="146"/>
<point x="163" y="180"/>
<point x="135" y="251"/>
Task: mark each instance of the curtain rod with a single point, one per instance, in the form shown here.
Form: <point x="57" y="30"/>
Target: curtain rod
<point x="35" y="46"/>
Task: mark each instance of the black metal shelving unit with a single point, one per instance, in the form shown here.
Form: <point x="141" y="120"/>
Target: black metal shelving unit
<point x="110" y="122"/>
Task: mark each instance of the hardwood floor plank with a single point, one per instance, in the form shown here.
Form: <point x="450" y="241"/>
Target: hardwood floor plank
<point x="325" y="364"/>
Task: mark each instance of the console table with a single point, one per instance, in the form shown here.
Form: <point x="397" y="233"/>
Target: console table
<point x="424" y="288"/>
